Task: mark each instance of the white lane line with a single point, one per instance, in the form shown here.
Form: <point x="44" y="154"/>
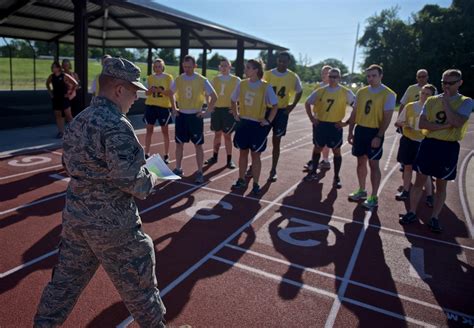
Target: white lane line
<point x="389" y="158"/>
<point x="27" y="264"/>
<point x="330" y="275"/>
<point x="29" y="172"/>
<point x="319" y="291"/>
<point x="224" y="192"/>
<point x="355" y="254"/>
<point x="203" y="260"/>
<point x="32" y="203"/>
<point x="463" y="195"/>
<point x="193" y="188"/>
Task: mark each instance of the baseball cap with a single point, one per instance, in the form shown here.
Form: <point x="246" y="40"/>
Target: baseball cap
<point x="123" y="69"/>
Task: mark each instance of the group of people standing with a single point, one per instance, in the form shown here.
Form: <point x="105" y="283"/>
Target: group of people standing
<point x="103" y="157"/>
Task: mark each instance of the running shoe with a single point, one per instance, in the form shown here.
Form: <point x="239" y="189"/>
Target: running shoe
<point x="199" y="177"/>
<point x="231" y="165"/>
<point x="337" y="183"/>
<point x="166" y="159"/>
<point x="273" y="176"/>
<point x="402" y="195"/>
<point x="311" y="176"/>
<point x="371" y="202"/>
<point x="434" y="225"/>
<point x="324" y="165"/>
<point x="255" y="189"/>
<point x="357" y="195"/>
<point x="210" y="161"/>
<point x="178" y="172"/>
<point x="239" y="184"/>
<point x="408" y="218"/>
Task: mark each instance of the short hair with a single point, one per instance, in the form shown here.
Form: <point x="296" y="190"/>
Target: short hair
<point x="189" y="58"/>
<point x="422" y="70"/>
<point x="106" y="82"/>
<point x="285" y="54"/>
<point x="257" y="64"/>
<point x="56" y="64"/>
<point x="375" y="66"/>
<point x="326" y="67"/>
<point x="430" y="87"/>
<point x="453" y="72"/>
<point x="335" y="69"/>
<point x="224" y="59"/>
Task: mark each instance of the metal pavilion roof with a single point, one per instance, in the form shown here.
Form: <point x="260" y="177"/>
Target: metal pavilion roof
<point x="119" y="23"/>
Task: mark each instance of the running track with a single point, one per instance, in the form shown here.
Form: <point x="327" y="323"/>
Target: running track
<point x="299" y="255"/>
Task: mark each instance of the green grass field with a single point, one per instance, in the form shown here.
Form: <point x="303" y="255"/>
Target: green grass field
<point x="23" y="74"/>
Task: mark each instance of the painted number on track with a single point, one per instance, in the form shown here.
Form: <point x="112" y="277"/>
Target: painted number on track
<point x="207" y="205"/>
<point x="29" y="161"/>
<point x="288" y="234"/>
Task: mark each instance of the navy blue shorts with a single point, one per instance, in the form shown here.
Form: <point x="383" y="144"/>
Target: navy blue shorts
<point x="280" y="122"/>
<point x="153" y="113"/>
<point x="189" y="127"/>
<point x="223" y="120"/>
<point x="437" y="158"/>
<point x="363" y="143"/>
<point x="251" y="135"/>
<point x="407" y="151"/>
<point x="327" y="134"/>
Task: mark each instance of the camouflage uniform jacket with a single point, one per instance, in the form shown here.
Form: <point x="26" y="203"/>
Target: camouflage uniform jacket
<point x="105" y="161"/>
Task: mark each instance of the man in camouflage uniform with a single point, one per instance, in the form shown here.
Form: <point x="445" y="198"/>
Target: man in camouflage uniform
<point x="101" y="224"/>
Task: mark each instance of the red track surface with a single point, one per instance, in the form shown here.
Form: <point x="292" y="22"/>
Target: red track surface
<point x="299" y="255"/>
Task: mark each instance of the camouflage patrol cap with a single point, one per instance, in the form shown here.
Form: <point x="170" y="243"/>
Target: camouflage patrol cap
<point x="123" y="69"/>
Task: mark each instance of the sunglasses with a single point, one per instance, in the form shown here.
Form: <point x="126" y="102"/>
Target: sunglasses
<point x="333" y="76"/>
<point x="449" y="82"/>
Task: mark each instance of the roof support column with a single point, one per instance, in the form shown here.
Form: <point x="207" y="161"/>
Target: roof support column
<point x="204" y="62"/>
<point x="81" y="49"/>
<point x="239" y="62"/>
<point x="56" y="50"/>
<point x="149" y="61"/>
<point x="184" y="47"/>
<point x="270" y="59"/>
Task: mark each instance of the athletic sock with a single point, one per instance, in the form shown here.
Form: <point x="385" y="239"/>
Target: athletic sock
<point x="315" y="158"/>
<point x="229" y="158"/>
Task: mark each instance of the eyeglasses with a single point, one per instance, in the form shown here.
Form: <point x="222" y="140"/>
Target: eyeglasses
<point x="333" y="76"/>
<point x="422" y="76"/>
<point x="449" y="82"/>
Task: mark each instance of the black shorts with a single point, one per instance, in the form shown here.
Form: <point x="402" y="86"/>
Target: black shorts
<point x="251" y="135"/>
<point x="437" y="158"/>
<point x="407" y="151"/>
<point x="153" y="113"/>
<point x="363" y="143"/>
<point x="327" y="134"/>
<point x="61" y="103"/>
<point x="280" y="122"/>
<point x="222" y="120"/>
<point x="189" y="127"/>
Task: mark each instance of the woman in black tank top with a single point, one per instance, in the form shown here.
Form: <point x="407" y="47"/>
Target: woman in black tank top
<point x="62" y="86"/>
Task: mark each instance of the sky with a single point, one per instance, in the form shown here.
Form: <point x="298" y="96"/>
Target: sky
<point x="317" y="29"/>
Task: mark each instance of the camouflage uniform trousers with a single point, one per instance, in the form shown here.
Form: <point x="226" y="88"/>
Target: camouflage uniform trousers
<point x="128" y="257"/>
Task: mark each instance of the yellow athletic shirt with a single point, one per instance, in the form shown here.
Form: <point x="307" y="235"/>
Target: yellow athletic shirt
<point x="252" y="101"/>
<point x="157" y="98"/>
<point x="190" y="94"/>
<point x="435" y="114"/>
<point x="370" y="106"/>
<point x="284" y="86"/>
<point x="224" y="89"/>
<point x="412" y="115"/>
<point x="412" y="93"/>
<point x="330" y="106"/>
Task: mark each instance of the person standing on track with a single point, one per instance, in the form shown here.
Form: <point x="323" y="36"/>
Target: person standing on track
<point x="410" y="141"/>
<point x="285" y="84"/>
<point x="329" y="107"/>
<point x="67" y="68"/>
<point x="101" y="224"/>
<point x="372" y="113"/>
<point x="252" y="96"/>
<point x="158" y="106"/>
<point x="445" y="121"/>
<point x="222" y="119"/>
<point x="324" y="164"/>
<point x="63" y="86"/>
<point x="191" y="89"/>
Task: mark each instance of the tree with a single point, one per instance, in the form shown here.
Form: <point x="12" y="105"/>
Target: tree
<point x="168" y="56"/>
